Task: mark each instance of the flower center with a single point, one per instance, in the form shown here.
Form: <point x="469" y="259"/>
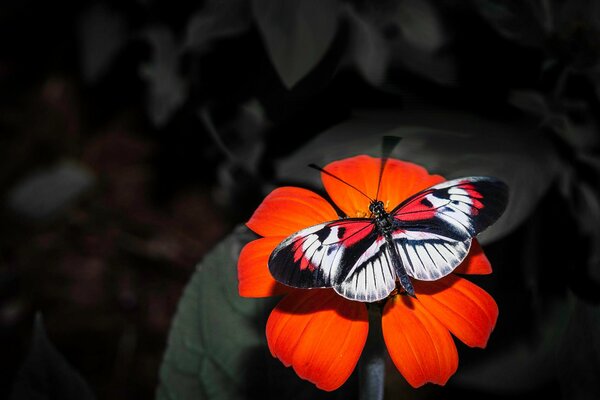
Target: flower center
<point x="367" y="214"/>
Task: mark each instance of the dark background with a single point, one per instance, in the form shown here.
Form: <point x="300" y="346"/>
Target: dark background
<point x="136" y="135"/>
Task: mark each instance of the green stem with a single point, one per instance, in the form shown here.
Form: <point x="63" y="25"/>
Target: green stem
<point x="371" y="366"/>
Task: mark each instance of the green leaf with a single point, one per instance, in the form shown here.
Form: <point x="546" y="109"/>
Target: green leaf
<point x="448" y="143"/>
<point x="212" y="331"/>
<point x="217" y="347"/>
<point x="297" y="33"/>
<point x="45" y="374"/>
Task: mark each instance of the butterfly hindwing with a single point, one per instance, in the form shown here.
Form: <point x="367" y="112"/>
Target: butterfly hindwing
<point x="428" y="256"/>
<point x="372" y="277"/>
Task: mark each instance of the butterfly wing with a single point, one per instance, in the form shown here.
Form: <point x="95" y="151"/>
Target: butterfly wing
<point x="428" y="256"/>
<point x="372" y="277"/>
<point x="434" y="228"/>
<point x="346" y="255"/>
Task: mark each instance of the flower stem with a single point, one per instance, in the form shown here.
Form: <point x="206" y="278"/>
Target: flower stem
<point x="371" y="367"/>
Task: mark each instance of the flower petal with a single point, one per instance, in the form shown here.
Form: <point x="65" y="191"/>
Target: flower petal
<point x="287" y="210"/>
<point x="468" y="311"/>
<point x="420" y="346"/>
<point x="400" y="180"/>
<point x="254" y="278"/>
<point x="476" y="263"/>
<point x="320" y="334"/>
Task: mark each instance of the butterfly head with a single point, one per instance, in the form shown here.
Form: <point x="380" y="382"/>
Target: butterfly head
<point x="377" y="209"/>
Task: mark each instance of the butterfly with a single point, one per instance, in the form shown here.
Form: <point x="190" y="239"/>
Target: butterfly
<point x="425" y="237"/>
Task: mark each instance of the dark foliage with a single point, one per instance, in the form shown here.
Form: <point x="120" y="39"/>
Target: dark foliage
<point x="136" y="135"/>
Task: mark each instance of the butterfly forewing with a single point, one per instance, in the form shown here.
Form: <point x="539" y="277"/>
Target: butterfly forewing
<point x="319" y="256"/>
<point x="458" y="209"/>
<point x="434" y="228"/>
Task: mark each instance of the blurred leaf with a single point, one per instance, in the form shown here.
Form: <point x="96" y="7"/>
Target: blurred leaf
<point x="241" y="138"/>
<point x="579" y="354"/>
<point x="571" y="119"/>
<point x="212" y="331"/>
<point x="167" y="88"/>
<point x="437" y="67"/>
<point x="526" y="22"/>
<point x="102" y="33"/>
<point x="451" y="144"/>
<point x="567" y="30"/>
<point x="576" y="132"/>
<point x="217" y="347"/>
<point x="410" y="35"/>
<point x="531" y="102"/>
<point x="217" y="19"/>
<point x="524" y="365"/>
<point x="45" y="373"/>
<point x="578" y="26"/>
<point x="580" y="185"/>
<point x="45" y="193"/>
<point x="420" y="24"/>
<point x="584" y="193"/>
<point x="370" y="51"/>
<point x="421" y="39"/>
<point x="297" y="33"/>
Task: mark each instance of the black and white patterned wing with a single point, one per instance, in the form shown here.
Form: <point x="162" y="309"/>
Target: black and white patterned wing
<point x="314" y="257"/>
<point x="342" y="254"/>
<point x="428" y="256"/>
<point x="372" y="277"/>
<point x="460" y="208"/>
<point x="434" y="228"/>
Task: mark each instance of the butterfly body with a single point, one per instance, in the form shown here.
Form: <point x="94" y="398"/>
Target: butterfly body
<point x="425" y="237"/>
<point x="385" y="225"/>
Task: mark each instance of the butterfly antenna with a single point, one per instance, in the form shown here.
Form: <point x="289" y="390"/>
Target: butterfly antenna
<point x="339" y="179"/>
<point x="388" y="144"/>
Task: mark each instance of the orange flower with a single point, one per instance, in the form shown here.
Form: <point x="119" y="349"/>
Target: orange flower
<point x="321" y="334"/>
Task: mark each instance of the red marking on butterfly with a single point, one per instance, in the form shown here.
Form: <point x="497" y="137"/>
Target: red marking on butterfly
<point x="352" y="233"/>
